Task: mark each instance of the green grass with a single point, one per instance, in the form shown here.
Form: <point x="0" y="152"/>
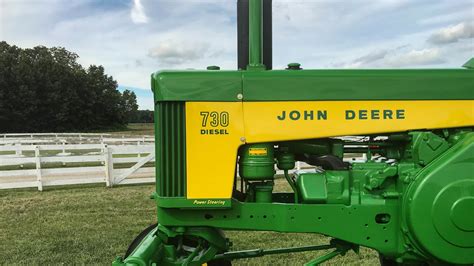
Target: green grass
<point x="93" y="224"/>
<point x="136" y="129"/>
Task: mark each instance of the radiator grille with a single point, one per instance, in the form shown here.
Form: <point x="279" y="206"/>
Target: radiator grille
<point x="170" y="149"/>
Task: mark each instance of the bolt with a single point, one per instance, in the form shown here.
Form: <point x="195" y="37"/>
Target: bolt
<point x="240" y="96"/>
<point x="242" y="139"/>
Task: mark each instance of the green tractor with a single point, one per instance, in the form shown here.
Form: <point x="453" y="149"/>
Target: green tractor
<point x="221" y="135"/>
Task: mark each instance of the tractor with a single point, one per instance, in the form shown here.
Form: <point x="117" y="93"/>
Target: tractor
<point x="388" y="156"/>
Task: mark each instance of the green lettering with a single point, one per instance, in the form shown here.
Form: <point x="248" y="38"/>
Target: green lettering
<point x="375" y="114"/>
<point x="400" y="114"/>
<point x="387" y="114"/>
<point x="323" y="115"/>
<point x="350" y="115"/>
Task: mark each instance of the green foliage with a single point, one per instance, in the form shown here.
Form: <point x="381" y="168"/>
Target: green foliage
<point x="143" y="116"/>
<point x="130" y="106"/>
<point x="46" y="89"/>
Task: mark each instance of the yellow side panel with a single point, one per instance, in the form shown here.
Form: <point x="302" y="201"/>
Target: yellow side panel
<point x="277" y="121"/>
<point x="213" y="136"/>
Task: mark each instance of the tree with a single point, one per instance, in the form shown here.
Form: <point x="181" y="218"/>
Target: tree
<point x="130" y="106"/>
<point x="143" y="116"/>
<point x="46" y="89"/>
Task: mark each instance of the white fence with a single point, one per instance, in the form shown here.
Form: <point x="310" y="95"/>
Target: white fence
<point x="72" y="138"/>
<point x="52" y="159"/>
<point x="23" y="166"/>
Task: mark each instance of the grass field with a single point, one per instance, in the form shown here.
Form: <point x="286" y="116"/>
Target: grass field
<point x="91" y="225"/>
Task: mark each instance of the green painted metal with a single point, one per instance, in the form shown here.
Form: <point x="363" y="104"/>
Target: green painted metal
<point x="354" y="223"/>
<point x="257" y="161"/>
<point x="444" y="191"/>
<point x="262" y="252"/>
<point x="263" y="191"/>
<point x="285" y="159"/>
<point x="171" y="149"/>
<point x="364" y="205"/>
<point x="255" y="35"/>
<point x="213" y="68"/>
<point x="428" y="146"/>
<point x="292" y="184"/>
<point x="379" y="205"/>
<point x="197" y="85"/>
<point x="195" y="246"/>
<point x="306" y="85"/>
<point x="294" y="66"/>
<point x="181" y="202"/>
<point x="327" y="187"/>
<point x="469" y="64"/>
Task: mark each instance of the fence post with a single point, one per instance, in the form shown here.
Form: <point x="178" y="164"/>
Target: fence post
<point x="18" y="151"/>
<point x="38" y="168"/>
<point x="109" y="166"/>
<point x="139" y="153"/>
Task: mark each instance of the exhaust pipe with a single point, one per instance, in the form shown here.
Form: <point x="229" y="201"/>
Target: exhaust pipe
<point x="254" y="33"/>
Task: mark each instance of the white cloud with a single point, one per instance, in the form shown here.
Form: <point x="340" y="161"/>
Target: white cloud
<point x="453" y="33"/>
<point x="368" y="59"/>
<point x="131" y="44"/>
<point x="416" y="58"/>
<point x="462" y="14"/>
<point x="178" y="51"/>
<point x="137" y="14"/>
<point x="399" y="57"/>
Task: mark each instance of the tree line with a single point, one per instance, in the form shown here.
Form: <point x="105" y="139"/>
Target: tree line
<point x="46" y="90"/>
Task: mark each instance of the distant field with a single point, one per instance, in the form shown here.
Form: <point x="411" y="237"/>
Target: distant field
<point x="136" y="129"/>
<point x="91" y="225"/>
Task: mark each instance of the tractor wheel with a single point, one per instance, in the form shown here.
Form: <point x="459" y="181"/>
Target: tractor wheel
<point x="220" y="262"/>
<point x="384" y="261"/>
<point x="139" y="239"/>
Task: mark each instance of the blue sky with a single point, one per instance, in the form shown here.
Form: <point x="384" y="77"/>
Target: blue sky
<point x="133" y="38"/>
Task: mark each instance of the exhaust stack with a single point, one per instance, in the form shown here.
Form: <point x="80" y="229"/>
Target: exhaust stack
<point x="254" y="33"/>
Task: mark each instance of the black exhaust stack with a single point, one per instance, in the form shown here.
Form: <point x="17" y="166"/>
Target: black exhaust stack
<point x="243" y="34"/>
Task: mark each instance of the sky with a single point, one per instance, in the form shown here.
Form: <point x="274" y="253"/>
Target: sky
<point x="134" y="38"/>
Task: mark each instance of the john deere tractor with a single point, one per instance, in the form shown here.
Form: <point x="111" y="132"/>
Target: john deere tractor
<point x="222" y="137"/>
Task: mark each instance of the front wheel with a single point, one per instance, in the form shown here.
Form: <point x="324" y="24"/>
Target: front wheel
<point x="139" y="239"/>
<point x="384" y="261"/>
<point x="220" y="262"/>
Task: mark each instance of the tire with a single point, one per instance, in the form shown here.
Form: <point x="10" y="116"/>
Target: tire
<point x="220" y="262"/>
<point x="139" y="239"/>
<point x="386" y="261"/>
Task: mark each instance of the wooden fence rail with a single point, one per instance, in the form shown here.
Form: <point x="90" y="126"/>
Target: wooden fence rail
<point x="53" y="165"/>
<point x="72" y="138"/>
<point x="37" y="164"/>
